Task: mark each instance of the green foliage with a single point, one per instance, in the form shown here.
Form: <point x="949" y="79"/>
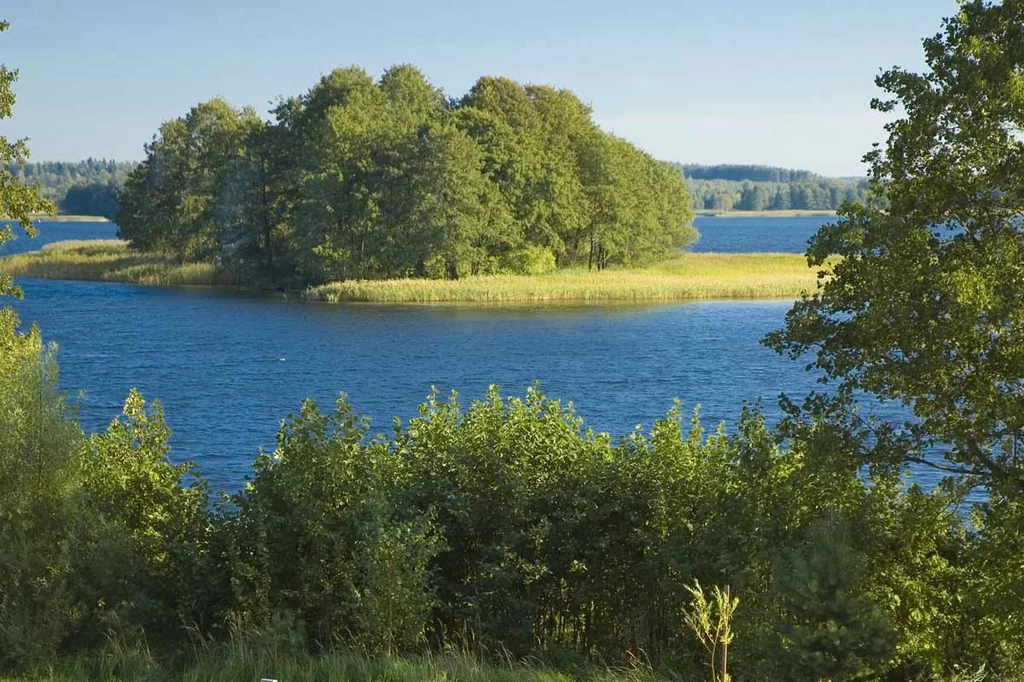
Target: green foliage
<point x="38" y="443"/>
<point x="765" y="188"/>
<point x="61" y="181"/>
<point x="319" y="533"/>
<point x="94" y="199"/>
<point x="504" y="526"/>
<point x="143" y="553"/>
<point x="529" y="260"/>
<point x="831" y="629"/>
<point x="359" y="179"/>
<point x="170" y="202"/>
<point x="923" y="305"/>
<point x="38" y="499"/>
<point x="711" y="621"/>
<point x="740" y="173"/>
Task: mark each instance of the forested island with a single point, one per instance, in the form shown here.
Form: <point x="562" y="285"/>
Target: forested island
<point x="389" y="179"/>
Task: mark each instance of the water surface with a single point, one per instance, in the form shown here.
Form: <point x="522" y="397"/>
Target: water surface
<point x="53" y="231"/>
<point x="228" y="366"/>
<point x="738" y="235"/>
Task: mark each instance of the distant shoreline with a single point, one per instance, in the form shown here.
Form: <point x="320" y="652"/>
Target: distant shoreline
<point x="685" y="277"/>
<point x="62" y="218"/>
<point x="795" y="213"/>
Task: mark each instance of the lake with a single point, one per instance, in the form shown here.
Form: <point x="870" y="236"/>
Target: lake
<point x="56" y="232"/>
<point x="738" y="235"/>
<point x="717" y="234"/>
<point x="227" y="366"/>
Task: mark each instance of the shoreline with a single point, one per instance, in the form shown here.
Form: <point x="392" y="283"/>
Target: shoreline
<point x="686" y="276"/>
<point x="794" y="213"/>
<point x="68" y="218"/>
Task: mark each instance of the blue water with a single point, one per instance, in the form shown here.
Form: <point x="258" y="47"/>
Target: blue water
<point x="50" y="232"/>
<point x="228" y="366"/>
<point x="717" y="234"/>
<point x="732" y="235"/>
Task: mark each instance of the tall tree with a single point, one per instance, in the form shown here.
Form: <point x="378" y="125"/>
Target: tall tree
<point x="168" y="202"/>
<point x="924" y="304"/>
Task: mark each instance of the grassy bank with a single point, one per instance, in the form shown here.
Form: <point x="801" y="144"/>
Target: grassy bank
<point x="688" y="276"/>
<point x="108" y="260"/>
<point x="685" y="277"/>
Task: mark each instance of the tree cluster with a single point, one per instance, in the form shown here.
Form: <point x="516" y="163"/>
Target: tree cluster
<point x="767" y="188"/>
<point x="86" y="187"/>
<point x="385" y="179"/>
<point x="922" y="300"/>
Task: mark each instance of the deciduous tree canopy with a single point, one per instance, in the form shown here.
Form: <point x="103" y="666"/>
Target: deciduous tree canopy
<point x="925" y="305"/>
<point x="390" y="178"/>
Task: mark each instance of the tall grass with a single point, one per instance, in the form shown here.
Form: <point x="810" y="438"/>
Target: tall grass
<point x="108" y="260"/>
<point x="255" y="655"/>
<point x="687" y="276"/>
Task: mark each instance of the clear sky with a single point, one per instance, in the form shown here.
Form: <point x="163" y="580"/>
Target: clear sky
<point x="776" y="82"/>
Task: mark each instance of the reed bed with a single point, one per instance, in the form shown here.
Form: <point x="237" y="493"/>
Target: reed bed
<point x="108" y="260"/>
<point x="688" y="276"/>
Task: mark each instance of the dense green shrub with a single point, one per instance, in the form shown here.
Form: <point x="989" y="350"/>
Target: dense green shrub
<point x="504" y="526"/>
<point x="529" y="260"/>
<point x="144" y="554"/>
<point x="39" y="498"/>
<point x="325" y="538"/>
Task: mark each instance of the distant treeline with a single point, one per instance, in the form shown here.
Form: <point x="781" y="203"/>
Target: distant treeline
<point x="78" y="187"/>
<point x="386" y="179"/>
<point x="739" y="173"/>
<point x="767" y="188"/>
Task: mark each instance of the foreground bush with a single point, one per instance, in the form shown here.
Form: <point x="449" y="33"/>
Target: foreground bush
<point x="502" y="528"/>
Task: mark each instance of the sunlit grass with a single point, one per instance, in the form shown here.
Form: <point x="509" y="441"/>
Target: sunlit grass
<point x="688" y="276"/>
<point x="108" y="260"/>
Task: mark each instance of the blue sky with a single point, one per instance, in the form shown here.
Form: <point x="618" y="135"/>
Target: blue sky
<point x="776" y="82"/>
